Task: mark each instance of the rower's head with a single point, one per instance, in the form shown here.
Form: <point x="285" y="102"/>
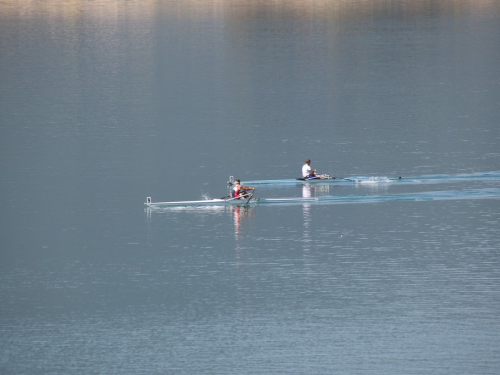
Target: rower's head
<point x="237" y="182"/>
<point x="308" y="161"/>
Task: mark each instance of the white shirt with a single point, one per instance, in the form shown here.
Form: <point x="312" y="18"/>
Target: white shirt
<point x="305" y="170"/>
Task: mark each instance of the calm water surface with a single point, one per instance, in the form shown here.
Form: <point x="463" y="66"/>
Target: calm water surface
<point x="107" y="102"/>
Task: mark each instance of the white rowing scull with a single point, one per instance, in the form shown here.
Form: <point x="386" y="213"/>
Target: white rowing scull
<point x="227" y="202"/>
<point x="322" y="179"/>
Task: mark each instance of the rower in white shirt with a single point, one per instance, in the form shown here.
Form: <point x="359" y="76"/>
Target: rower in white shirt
<point x="307" y="171"/>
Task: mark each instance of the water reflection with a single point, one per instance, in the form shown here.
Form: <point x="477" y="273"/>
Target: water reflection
<point x="240" y="215"/>
<point x="372" y="186"/>
<point x="306" y="191"/>
<point x="309" y="190"/>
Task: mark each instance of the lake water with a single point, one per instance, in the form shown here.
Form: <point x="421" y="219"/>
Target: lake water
<point x="104" y="103"/>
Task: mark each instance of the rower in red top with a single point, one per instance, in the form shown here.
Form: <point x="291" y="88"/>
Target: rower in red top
<point x="240" y="191"/>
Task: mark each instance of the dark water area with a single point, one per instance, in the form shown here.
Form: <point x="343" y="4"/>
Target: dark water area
<point x="105" y="103"/>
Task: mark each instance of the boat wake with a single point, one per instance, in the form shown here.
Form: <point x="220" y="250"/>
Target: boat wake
<point x="403" y="197"/>
<point x="375" y="180"/>
<point x="443" y="178"/>
<point x="492" y="193"/>
<point x="381" y="180"/>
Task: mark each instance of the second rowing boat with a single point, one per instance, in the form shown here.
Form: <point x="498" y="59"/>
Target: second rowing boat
<point x="323" y="179"/>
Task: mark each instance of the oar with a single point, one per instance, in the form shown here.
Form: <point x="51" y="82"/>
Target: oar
<point x="325" y="177"/>
<point x="330" y="177"/>
<point x="343" y="178"/>
<point x="354" y="180"/>
<point x="251" y="196"/>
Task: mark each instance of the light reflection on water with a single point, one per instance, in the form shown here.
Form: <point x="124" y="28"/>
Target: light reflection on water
<point x="106" y="102"/>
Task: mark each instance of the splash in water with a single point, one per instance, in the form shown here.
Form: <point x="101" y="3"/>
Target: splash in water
<point x="374" y="180"/>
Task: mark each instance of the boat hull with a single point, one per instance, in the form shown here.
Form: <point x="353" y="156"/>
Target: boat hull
<point x="205" y="202"/>
<point x="231" y="202"/>
<point x="331" y="180"/>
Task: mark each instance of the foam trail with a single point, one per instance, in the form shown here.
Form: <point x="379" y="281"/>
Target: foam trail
<point x="405" y="197"/>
